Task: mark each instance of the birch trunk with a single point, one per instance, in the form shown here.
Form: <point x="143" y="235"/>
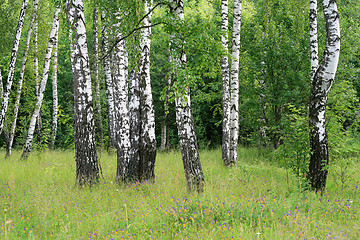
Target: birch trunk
<point x="225" y="147"/>
<point x="234" y="84"/>
<point x="164" y="130"/>
<point x="5" y="102"/>
<point x="134" y="112"/>
<point x="52" y="39"/>
<point x="21" y="79"/>
<point x="98" y="116"/>
<point x="126" y="66"/>
<point x="320" y="87"/>
<point x="262" y="119"/>
<point x="108" y="83"/>
<point x="87" y="167"/>
<point x="184" y="119"/>
<point x="122" y="121"/>
<point x="55" y="94"/>
<point x="37" y="81"/>
<point x="314" y="58"/>
<point x="163" y="133"/>
<point x="36" y="60"/>
<point x="147" y="150"/>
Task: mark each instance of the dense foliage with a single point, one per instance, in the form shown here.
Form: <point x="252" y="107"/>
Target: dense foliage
<point x="274" y="49"/>
<point x="260" y="197"/>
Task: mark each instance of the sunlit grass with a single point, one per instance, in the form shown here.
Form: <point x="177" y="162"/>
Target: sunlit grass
<point x="254" y="200"/>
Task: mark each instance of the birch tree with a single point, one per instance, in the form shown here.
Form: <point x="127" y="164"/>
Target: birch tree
<point x="134" y="113"/>
<point x="21" y="78"/>
<point x="163" y="131"/>
<point x="122" y="121"/>
<point x="108" y="82"/>
<point x="98" y="116"/>
<point x="87" y="167"/>
<point x="55" y="94"/>
<point x="10" y="78"/>
<point x="234" y="84"/>
<point x="184" y="119"/>
<point x="321" y="83"/>
<point x="36" y="71"/>
<point x="39" y="99"/>
<point x="262" y="118"/>
<point x="314" y="58"/>
<point x="36" y="60"/>
<point x="164" y="128"/>
<point x="147" y="148"/>
<point x="225" y="147"/>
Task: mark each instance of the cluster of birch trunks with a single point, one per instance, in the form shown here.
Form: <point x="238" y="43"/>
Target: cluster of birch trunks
<point x="129" y="95"/>
<point x="322" y="77"/>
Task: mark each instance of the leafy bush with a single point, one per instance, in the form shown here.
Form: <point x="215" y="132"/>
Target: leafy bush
<point x="294" y="153"/>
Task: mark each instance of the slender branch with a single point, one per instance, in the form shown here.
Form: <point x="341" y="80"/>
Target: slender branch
<point x="128" y="35"/>
<point x="148" y="13"/>
<point x="137" y="28"/>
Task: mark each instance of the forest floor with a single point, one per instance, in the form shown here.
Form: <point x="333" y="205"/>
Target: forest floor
<point x="256" y="199"/>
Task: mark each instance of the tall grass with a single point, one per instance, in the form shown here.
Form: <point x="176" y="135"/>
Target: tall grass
<point x="253" y="200"/>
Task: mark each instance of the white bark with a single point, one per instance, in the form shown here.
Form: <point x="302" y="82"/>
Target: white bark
<point x="72" y="52"/>
<point x="314" y="58"/>
<point x="52" y="40"/>
<point x="147" y="116"/>
<point x="234" y="84"/>
<point x="126" y="65"/>
<point x="225" y="83"/>
<point x="5" y="102"/>
<point x="21" y="78"/>
<point x="163" y="133"/>
<point x="164" y="128"/>
<point x="262" y="118"/>
<point x="98" y="116"/>
<point x="330" y="59"/>
<point x="87" y="167"/>
<point x="122" y="121"/>
<point x="320" y="87"/>
<point x="184" y="119"/>
<point x="36" y="76"/>
<point x="134" y="112"/>
<point x="108" y="83"/>
<point x="263" y="88"/>
<point x="36" y="60"/>
<point x="55" y="94"/>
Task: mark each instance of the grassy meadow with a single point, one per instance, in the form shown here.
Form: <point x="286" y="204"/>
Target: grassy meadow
<point x="254" y="200"/>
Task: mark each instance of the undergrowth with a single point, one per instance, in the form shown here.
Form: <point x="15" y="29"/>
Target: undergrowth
<point x="257" y="199"/>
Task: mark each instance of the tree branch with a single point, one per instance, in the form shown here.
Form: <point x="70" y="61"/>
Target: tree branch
<point x="136" y="28"/>
<point x="128" y="35"/>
